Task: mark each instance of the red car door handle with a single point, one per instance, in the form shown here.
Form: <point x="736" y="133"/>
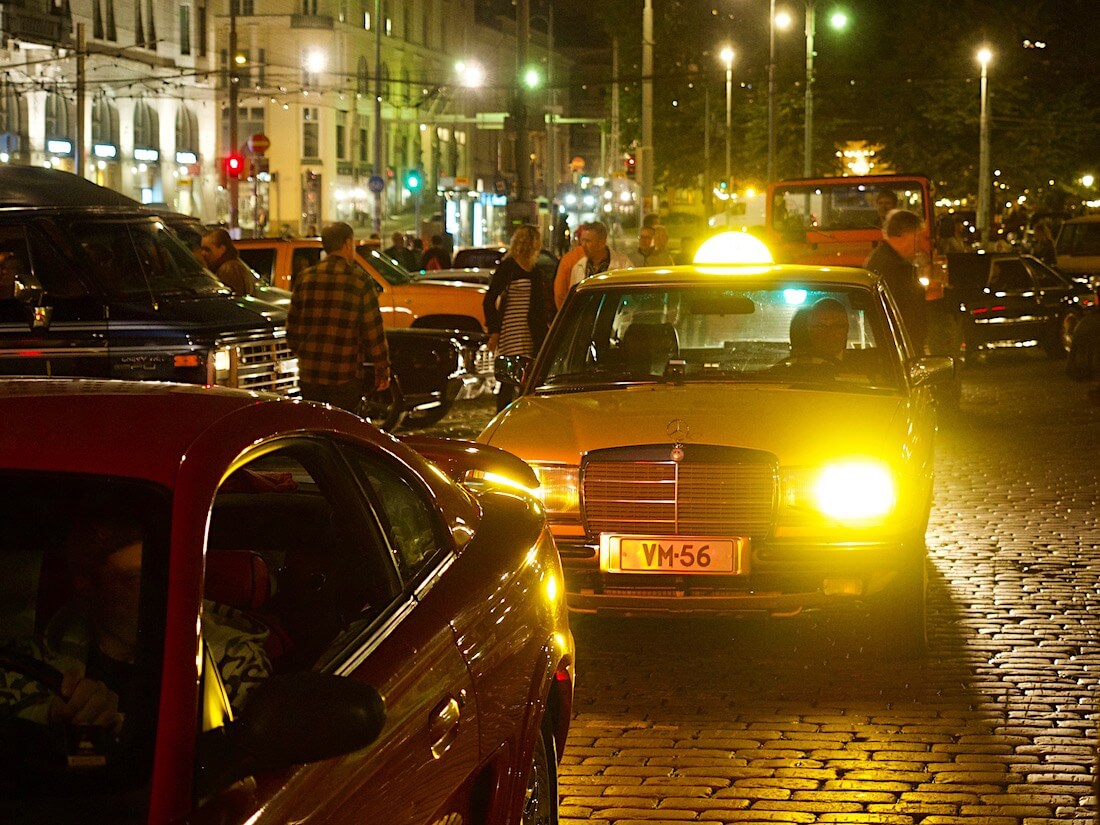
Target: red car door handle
<point x="443" y="725"/>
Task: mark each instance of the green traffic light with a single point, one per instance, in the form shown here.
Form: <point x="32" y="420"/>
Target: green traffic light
<point x="838" y="20"/>
<point x="412" y="181"/>
<point x="532" y="79"/>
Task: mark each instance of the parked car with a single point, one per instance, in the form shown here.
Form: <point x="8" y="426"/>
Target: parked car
<point x="324" y="626"/>
<point x="92" y="284"/>
<point x="404" y="301"/>
<point x="489" y="257"/>
<point x="481" y="257"/>
<point x="1011" y="299"/>
<point x="431" y="368"/>
<point x="1078" y="248"/>
<point x="693" y="460"/>
<point x="470" y="275"/>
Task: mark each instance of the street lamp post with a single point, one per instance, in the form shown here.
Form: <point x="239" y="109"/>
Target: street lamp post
<point x="985" y="183"/>
<point x="379" y="24"/>
<point x="727" y="59"/>
<point x="808" y="139"/>
<point x="234" y="139"/>
<point x="771" y="93"/>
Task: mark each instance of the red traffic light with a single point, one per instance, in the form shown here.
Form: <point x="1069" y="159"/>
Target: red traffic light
<point x="631" y="165"/>
<point x="234" y="165"/>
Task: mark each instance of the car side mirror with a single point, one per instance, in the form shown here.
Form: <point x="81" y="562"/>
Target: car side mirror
<point x="28" y="290"/>
<point x="511" y="369"/>
<point x="290" y="720"/>
<point x="931" y="369"/>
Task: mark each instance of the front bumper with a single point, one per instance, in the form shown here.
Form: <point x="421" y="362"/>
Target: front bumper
<point x="781" y="580"/>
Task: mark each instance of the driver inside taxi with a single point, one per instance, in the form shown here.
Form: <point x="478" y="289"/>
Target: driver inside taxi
<point x="820" y="334"/>
<point x="93" y="640"/>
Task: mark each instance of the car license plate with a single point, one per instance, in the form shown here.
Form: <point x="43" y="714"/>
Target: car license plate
<point x="673" y="554"/>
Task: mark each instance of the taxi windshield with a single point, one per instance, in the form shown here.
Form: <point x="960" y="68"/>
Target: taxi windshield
<point x="84" y="594"/>
<point x="828" y="336"/>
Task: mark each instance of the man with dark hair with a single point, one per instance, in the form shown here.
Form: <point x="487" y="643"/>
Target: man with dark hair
<point x="93" y="640"/>
<point x="895" y="262"/>
<point x="221" y="257"/>
<point x="400" y="252"/>
<point x="886" y="201"/>
<point x="435" y="256"/>
<point x="335" y="325"/>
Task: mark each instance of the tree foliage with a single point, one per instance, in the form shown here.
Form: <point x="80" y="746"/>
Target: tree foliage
<point x="904" y="77"/>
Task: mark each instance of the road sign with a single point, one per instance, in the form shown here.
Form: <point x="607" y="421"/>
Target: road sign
<point x="259" y="143"/>
<point x="376" y="184"/>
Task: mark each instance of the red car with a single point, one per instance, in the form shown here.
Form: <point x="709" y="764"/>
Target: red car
<point x="306" y="622"/>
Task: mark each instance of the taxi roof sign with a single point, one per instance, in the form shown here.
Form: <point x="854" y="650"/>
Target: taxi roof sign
<point x="733" y="248"/>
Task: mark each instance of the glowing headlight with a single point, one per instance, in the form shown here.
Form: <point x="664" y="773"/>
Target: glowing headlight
<point x="221" y="360"/>
<point x="559" y="488"/>
<point x="857" y="490"/>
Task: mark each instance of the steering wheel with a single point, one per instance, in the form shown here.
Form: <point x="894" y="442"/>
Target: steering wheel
<point x="46" y="675"/>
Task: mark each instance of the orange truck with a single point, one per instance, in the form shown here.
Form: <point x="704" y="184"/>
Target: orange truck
<point x="838" y="221"/>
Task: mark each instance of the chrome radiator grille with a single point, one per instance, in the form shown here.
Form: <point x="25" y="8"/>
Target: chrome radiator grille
<point x="265" y="365"/>
<point x="651" y="496"/>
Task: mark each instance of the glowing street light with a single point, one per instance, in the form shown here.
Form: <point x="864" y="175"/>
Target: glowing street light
<point x="727" y="58"/>
<point x="839" y="21"/>
<point x="985" y="181"/>
<point x="471" y="74"/>
<point x="315" y="61"/>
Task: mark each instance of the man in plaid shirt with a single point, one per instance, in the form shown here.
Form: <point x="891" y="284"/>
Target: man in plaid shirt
<point x="335" y="326"/>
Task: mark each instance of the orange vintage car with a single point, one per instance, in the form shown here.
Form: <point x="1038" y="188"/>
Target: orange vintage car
<point x="405" y="301"/>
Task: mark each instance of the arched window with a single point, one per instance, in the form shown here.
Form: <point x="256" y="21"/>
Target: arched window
<point x="362" y="78"/>
<point x="187" y="131"/>
<point x="57" y="117"/>
<point x="146" y="127"/>
<point x="104" y="127"/>
<point x="13" y="120"/>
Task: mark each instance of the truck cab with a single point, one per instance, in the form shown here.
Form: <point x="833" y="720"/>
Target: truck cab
<point x="93" y="285"/>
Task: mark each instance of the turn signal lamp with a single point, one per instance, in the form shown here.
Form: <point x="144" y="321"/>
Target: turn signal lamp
<point x="732" y="248"/>
<point x="559" y="488"/>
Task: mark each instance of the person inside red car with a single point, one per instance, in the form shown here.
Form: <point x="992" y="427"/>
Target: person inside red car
<point x="92" y="640"/>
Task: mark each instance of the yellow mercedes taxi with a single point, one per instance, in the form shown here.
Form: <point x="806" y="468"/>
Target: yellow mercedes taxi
<point x="732" y="438"/>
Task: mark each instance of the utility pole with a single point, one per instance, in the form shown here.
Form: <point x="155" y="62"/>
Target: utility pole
<point x="81" y="79"/>
<point x="807" y="156"/>
<point x="645" y="154"/>
<point x="234" y="138"/>
<point x="551" y="168"/>
<point x="771" y="94"/>
<point x="614" y="151"/>
<point x="379" y="24"/>
<point x="523" y="153"/>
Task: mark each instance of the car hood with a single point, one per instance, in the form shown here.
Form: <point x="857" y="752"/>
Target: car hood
<point x="797" y="425"/>
<point x="215" y="313"/>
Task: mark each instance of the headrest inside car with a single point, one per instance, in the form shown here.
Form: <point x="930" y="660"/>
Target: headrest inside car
<point x="238" y="578"/>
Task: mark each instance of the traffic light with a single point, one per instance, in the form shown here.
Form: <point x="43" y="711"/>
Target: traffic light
<point x="234" y="165"/>
<point x="413" y="180"/>
<point x="631" y="164"/>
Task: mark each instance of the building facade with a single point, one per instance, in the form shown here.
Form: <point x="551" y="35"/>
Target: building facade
<point x="351" y="95"/>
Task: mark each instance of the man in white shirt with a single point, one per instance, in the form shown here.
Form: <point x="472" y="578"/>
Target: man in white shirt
<point x="598" y="256"/>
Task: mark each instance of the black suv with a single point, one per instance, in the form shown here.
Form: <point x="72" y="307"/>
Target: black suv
<point x="92" y="284"/>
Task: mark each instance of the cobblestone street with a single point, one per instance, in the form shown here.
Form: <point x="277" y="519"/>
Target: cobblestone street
<point x="793" y="721"/>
